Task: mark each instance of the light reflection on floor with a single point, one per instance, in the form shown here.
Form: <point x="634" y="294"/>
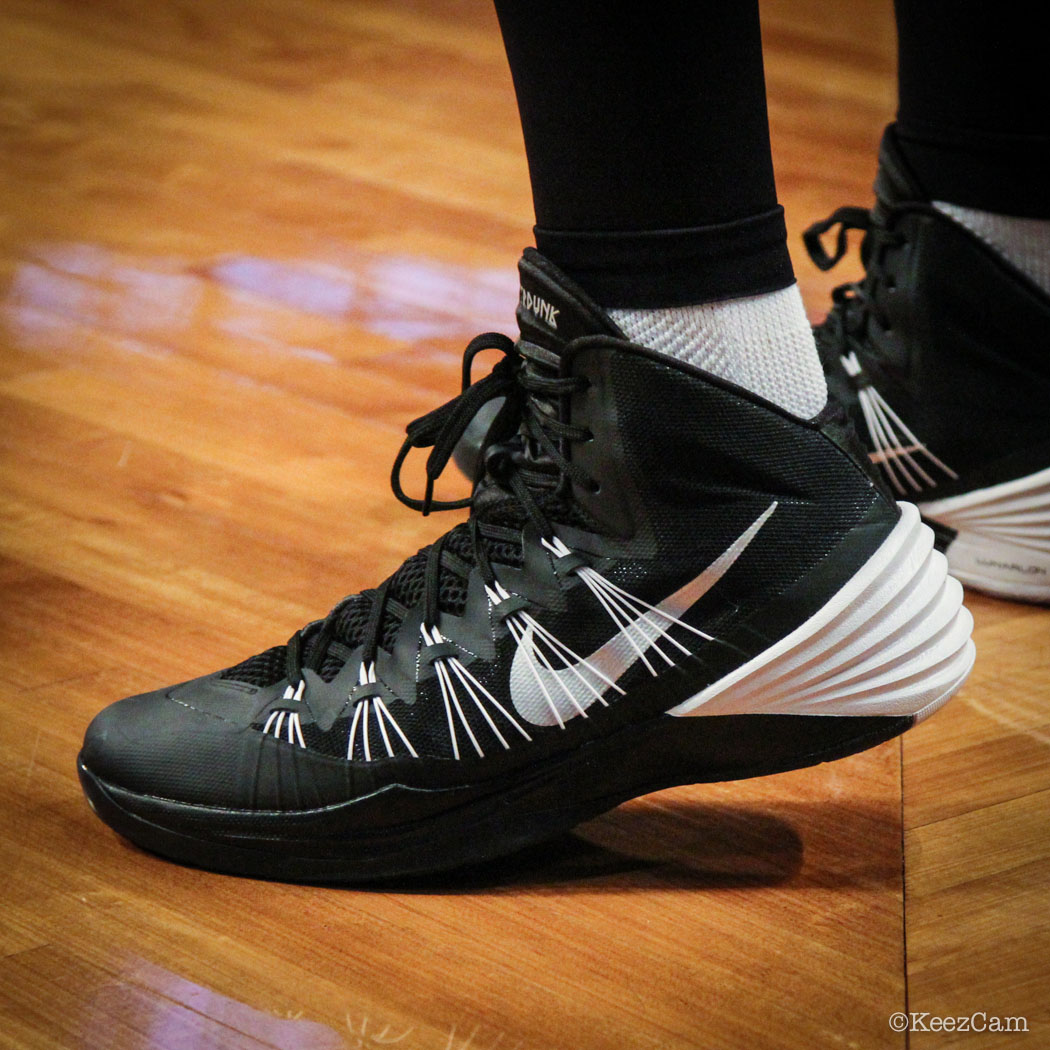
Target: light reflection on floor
<point x="412" y="300"/>
<point x="165" y="1010"/>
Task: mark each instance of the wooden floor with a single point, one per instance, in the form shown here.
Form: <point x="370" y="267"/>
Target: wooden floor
<point x="241" y="244"/>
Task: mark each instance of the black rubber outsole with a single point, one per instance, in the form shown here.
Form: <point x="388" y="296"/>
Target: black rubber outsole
<point x="536" y="804"/>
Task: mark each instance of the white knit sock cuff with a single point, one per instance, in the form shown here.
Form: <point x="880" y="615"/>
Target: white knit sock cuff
<point x="763" y="343"/>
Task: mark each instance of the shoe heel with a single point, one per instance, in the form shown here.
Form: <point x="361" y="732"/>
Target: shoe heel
<point x="894" y="642"/>
<point x="1002" y="541"/>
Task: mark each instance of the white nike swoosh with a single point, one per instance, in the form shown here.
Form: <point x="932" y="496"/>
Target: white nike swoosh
<point x="573" y="688"/>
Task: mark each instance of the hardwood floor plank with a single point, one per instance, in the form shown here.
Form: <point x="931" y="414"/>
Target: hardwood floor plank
<point x="978" y="930"/>
<point x="977" y="814"/>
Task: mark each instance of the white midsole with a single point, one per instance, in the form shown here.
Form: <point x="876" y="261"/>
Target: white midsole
<point x="894" y="641"/>
<point x="1002" y="542"/>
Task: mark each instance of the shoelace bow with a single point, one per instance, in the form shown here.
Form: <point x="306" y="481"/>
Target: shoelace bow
<point x="516" y="471"/>
<point x="854" y="303"/>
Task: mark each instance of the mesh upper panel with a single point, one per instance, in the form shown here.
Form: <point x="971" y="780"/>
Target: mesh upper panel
<point x="407" y="587"/>
<point x="262" y="670"/>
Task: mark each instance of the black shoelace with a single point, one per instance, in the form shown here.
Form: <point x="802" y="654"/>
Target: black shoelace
<point x="856" y="304"/>
<point x="525" y="463"/>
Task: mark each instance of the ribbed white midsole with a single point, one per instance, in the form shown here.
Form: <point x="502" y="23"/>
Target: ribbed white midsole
<point x="1003" y="536"/>
<point x="894" y="641"/>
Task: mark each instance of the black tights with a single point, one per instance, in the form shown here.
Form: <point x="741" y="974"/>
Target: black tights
<point x="974" y="107"/>
<point x="647" y="136"/>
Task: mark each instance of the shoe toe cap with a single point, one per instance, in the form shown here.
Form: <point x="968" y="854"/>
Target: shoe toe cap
<point x="162" y="745"/>
<point x="183" y="745"/>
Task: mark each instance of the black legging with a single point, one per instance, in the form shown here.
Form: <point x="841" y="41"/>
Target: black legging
<point x="974" y="111"/>
<point x="648" y="146"/>
<point x="647" y="136"/>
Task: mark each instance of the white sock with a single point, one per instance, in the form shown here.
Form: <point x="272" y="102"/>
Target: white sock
<point x="1023" y="242"/>
<point x="763" y="343"/>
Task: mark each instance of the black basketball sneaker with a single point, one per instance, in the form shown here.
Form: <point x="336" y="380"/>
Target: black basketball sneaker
<point x="663" y="580"/>
<point x="941" y="354"/>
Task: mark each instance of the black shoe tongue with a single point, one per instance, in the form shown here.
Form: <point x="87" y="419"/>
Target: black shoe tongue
<point x="553" y="309"/>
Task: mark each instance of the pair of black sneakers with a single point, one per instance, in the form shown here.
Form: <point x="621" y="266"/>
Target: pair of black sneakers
<point x="664" y="579"/>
